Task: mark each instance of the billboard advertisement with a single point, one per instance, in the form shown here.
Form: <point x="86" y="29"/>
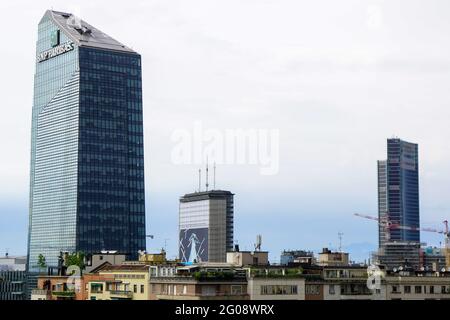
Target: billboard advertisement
<point x="194" y="245"/>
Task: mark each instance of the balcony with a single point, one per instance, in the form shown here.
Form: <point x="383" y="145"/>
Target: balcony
<point x="63" y="294"/>
<point x="40" y="292"/>
<point x="121" y="294"/>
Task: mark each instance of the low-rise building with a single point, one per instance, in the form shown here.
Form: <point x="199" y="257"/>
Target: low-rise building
<point x="248" y="258"/>
<point x="330" y="258"/>
<point x="12" y="263"/>
<point x="124" y="282"/>
<point x="418" y="285"/>
<point x="296" y="257"/>
<point x="275" y="283"/>
<point x="12" y="285"/>
<point x="53" y="288"/>
<point x="350" y="283"/>
<point x="205" y="281"/>
<point x="13" y="277"/>
<point x="103" y="258"/>
<point x="153" y="258"/>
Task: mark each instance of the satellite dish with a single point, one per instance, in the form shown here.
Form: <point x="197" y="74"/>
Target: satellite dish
<point x="395" y="269"/>
<point x="400" y="268"/>
<point x="443" y="270"/>
<point x="422" y="269"/>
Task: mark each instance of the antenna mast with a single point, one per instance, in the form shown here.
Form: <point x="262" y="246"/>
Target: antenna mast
<point x="207" y="184"/>
<point x="214" y="175"/>
<point x="199" y="180"/>
<point x="340" y="234"/>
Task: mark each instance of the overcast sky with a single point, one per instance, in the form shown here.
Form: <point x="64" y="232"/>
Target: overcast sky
<point x="335" y="77"/>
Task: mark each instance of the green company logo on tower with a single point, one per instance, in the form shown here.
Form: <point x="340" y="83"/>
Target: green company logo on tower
<point x="55" y="38"/>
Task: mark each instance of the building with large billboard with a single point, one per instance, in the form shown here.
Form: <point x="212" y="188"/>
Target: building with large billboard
<point x="206" y="226"/>
<point x="87" y="154"/>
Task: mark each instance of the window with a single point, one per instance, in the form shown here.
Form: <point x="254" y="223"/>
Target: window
<point x="443" y="289"/>
<point x="407" y="289"/>
<point x="431" y="289"/>
<point x="135" y="288"/>
<point x="395" y="289"/>
<point x="184" y="289"/>
<point x="312" y="289"/>
<point x="278" y="290"/>
<point x="331" y="289"/>
<point x="418" y="289"/>
<point x="96" y="287"/>
<point x="236" y="290"/>
<point x="142" y="288"/>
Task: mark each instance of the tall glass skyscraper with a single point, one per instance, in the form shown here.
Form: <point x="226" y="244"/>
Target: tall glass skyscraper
<point x="87" y="154"/>
<point x="398" y="190"/>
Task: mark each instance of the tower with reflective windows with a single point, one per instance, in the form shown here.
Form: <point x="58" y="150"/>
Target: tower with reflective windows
<point x="398" y="191"/>
<point x="87" y="155"/>
<point x="398" y="204"/>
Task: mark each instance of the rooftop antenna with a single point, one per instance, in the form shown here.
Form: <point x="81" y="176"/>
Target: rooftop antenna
<point x="258" y="242"/>
<point x="199" y="180"/>
<point x="165" y="244"/>
<point x="207" y="184"/>
<point x="340" y="234"/>
<point x="214" y="175"/>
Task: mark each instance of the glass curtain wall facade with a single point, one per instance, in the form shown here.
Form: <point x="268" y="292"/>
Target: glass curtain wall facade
<point x="403" y="188"/>
<point x="383" y="235"/>
<point x="398" y="191"/>
<point x="87" y="161"/>
<point x="111" y="160"/>
<point x="54" y="151"/>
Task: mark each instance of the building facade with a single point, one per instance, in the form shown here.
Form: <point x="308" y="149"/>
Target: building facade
<point x="206" y="226"/>
<point x="330" y="258"/>
<point x="87" y="161"/>
<point x="398" y="205"/>
<point x="296" y="256"/>
<point x="125" y="282"/>
<point x="206" y="281"/>
<point x="417" y="285"/>
<point x="398" y="190"/>
<point x="13" y="278"/>
<point x="383" y="235"/>
<point x="13" y="285"/>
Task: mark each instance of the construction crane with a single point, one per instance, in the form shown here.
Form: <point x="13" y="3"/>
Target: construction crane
<point x="386" y="223"/>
